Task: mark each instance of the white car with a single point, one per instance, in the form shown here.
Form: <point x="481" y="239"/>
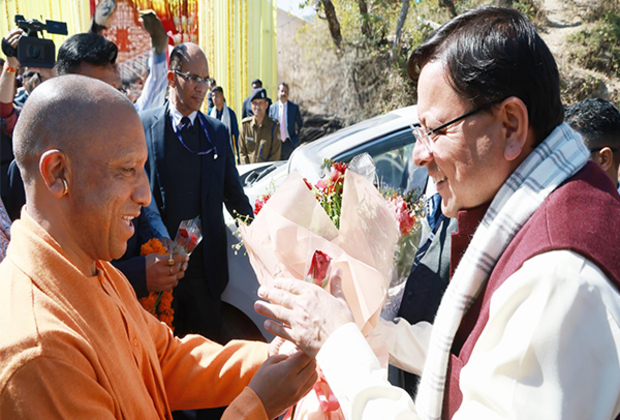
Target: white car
<point x="387" y="138"/>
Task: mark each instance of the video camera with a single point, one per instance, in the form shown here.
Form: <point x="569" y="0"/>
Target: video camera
<point x="31" y="50"/>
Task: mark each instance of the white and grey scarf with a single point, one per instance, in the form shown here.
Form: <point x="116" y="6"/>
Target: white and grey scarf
<point x="225" y="120"/>
<point x="558" y="158"/>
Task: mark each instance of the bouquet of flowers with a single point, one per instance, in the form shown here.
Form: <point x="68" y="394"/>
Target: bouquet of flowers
<point x="408" y="210"/>
<point x="189" y="235"/>
<point x="158" y="304"/>
<point x="345" y="220"/>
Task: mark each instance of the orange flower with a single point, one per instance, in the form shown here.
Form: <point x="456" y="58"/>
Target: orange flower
<point x="163" y="300"/>
<point x="153" y="246"/>
<point x="148" y="302"/>
<point x="168" y="312"/>
<point x="166" y="300"/>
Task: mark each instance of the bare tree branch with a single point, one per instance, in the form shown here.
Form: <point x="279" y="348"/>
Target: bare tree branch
<point x="399" y="27"/>
<point x="366" y="29"/>
<point x="332" y="21"/>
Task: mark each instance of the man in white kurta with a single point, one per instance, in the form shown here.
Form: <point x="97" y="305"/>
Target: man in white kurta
<point x="545" y="331"/>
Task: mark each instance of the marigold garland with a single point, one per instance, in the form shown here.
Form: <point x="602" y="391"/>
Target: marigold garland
<point x="159" y="304"/>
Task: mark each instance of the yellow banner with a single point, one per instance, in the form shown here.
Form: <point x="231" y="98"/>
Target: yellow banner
<point x="244" y="47"/>
<point x="238" y="36"/>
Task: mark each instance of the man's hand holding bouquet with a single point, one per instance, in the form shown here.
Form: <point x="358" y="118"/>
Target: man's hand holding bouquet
<point x="159" y="301"/>
<point x="343" y="224"/>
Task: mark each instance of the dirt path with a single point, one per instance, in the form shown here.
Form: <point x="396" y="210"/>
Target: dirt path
<point x="561" y="19"/>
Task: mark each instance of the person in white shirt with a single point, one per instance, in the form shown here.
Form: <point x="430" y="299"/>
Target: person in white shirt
<point x="528" y="326"/>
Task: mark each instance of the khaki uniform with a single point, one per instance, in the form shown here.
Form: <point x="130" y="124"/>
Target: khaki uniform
<point x="259" y="143"/>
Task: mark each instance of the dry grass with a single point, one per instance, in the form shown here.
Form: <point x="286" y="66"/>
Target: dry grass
<point x="364" y="80"/>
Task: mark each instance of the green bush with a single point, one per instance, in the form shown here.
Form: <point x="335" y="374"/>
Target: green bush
<point x="598" y="48"/>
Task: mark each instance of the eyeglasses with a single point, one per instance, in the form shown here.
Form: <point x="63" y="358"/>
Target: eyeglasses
<point x="425" y="138"/>
<point x="193" y="79"/>
<point x="598" y="149"/>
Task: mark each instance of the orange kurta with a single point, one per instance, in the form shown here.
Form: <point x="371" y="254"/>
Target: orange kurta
<point x="79" y="347"/>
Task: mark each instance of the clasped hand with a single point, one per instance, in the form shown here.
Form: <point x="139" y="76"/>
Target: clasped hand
<point x="162" y="277"/>
<point x="283" y="379"/>
<point x="305" y="314"/>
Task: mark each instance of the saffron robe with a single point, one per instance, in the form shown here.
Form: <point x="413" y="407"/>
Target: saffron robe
<point x="79" y="347"/>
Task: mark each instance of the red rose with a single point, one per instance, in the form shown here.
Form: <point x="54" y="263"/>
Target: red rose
<point x="191" y="244"/>
<point x="405" y="222"/>
<point x="318" y="273"/>
<point x="340" y="167"/>
<point x="183" y="233"/>
<point x="260" y="202"/>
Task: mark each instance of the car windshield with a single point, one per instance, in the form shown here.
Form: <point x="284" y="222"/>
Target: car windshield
<point x="392" y="154"/>
<point x="355" y="128"/>
<point x="310" y="157"/>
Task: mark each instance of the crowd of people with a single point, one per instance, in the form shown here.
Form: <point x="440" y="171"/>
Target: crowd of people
<point x="175" y="131"/>
<point x="511" y="309"/>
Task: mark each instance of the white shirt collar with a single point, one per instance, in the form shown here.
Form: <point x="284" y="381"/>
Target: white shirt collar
<point x="430" y="187"/>
<point x="177" y="116"/>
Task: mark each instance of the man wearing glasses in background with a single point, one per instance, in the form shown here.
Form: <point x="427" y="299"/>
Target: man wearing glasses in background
<point x="598" y="122"/>
<point x="529" y="324"/>
<point x="192" y="171"/>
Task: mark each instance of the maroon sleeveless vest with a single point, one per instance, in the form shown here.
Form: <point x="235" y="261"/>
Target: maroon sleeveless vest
<point x="582" y="215"/>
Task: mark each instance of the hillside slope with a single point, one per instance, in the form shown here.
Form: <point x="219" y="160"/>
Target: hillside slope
<point x="561" y="19"/>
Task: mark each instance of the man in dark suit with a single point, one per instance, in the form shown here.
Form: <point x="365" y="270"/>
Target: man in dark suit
<point x="192" y="172"/>
<point x="246" y="109"/>
<point x="287" y="114"/>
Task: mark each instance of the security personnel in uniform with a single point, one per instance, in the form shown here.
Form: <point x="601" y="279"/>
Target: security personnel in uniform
<point x="259" y="140"/>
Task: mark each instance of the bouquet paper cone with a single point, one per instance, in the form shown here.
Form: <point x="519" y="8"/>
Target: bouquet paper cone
<point x="292" y="225"/>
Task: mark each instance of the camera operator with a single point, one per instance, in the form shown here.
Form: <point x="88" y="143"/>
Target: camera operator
<point x="91" y="55"/>
<point x="79" y="58"/>
<point x="7" y="83"/>
<point x="8" y="112"/>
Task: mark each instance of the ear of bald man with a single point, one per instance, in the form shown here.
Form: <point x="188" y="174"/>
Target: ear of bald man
<point x="52" y="167"/>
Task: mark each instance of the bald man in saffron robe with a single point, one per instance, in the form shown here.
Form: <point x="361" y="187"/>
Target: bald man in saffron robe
<point x="75" y="342"/>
